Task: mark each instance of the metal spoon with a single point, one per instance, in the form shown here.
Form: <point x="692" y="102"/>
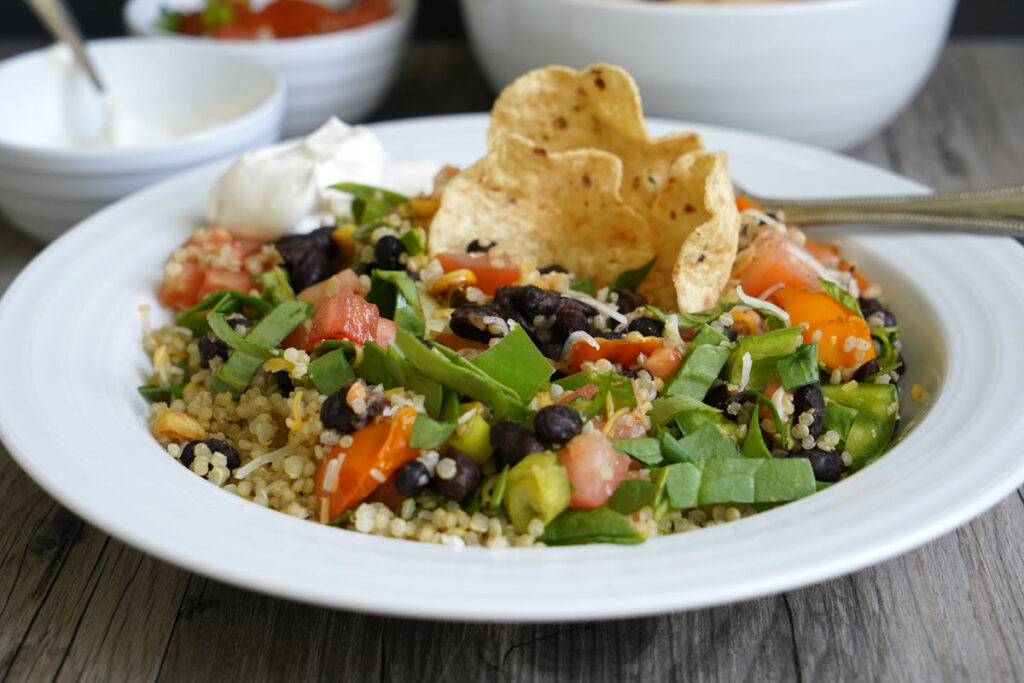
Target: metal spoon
<point x="61" y="24"/>
<point x="994" y="210"/>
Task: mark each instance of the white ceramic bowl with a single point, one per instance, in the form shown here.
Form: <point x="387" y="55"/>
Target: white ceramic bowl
<point x="345" y="74"/>
<point x="828" y="72"/>
<point x="219" y="104"/>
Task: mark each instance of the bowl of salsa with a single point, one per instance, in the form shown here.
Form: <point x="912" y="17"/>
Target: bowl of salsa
<point x="335" y="61"/>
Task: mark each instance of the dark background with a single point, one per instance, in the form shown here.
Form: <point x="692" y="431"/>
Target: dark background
<point x="440" y="18"/>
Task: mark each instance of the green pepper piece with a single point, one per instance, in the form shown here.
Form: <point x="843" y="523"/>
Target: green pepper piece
<point x="600" y="525"/>
<point x="632" y="495"/>
<point x="414" y="241"/>
<point x="498" y="490"/>
<point x="396" y="297"/>
<point x="330" y="372"/>
<point x="799" y="368"/>
<point x="516" y="363"/>
<point x="236" y="374"/>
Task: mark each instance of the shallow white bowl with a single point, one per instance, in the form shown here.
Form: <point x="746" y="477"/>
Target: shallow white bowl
<point x="827" y="72"/>
<point x="345" y="74"/>
<point x="219" y="104"/>
<point x="76" y="423"/>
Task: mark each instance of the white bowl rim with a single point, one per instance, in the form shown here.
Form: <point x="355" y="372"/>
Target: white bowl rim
<point x="785" y="8"/>
<point x="404" y="11"/>
<point x="197" y="139"/>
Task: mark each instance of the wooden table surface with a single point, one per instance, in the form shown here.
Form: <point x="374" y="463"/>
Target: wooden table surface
<point x="76" y="603"/>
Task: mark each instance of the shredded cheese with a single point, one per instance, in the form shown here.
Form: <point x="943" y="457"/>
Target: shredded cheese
<point x="746" y="363"/>
<point x="762" y="305"/>
<point x="256" y="463"/>
<point x="295" y="422"/>
<point x="331" y="473"/>
<point x="578" y="335"/>
<point x="601" y="306"/>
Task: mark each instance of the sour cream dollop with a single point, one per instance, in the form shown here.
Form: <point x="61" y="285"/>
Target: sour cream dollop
<point x="276" y="190"/>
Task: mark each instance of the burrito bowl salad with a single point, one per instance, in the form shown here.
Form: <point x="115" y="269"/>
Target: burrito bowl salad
<point x="367" y="375"/>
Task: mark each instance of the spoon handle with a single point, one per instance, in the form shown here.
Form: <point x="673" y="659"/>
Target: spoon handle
<point x="59" y="21"/>
<point x="998" y="210"/>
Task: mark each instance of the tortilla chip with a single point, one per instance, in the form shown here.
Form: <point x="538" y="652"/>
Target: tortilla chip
<point x="665" y="180"/>
<point x="702" y="268"/>
<point x="544" y="208"/>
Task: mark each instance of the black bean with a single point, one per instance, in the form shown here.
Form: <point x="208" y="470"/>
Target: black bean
<point x="520" y="319"/>
<point x="827" y="465"/>
<point x="480" y="246"/>
<point x="557" y="424"/>
<point x="412" y="478"/>
<point x="211" y="346"/>
<point x="388" y="253"/>
<point x="309" y="257"/>
<point x="464" y="482"/>
<point x="284" y="382"/>
<point x="337" y="411"/>
<point x="467" y="321"/>
<point x="552" y="350"/>
<point x="901" y="366"/>
<point x="607" y="334"/>
<point x="188" y="452"/>
<point x="629" y="301"/>
<point x="528" y="299"/>
<point x="553" y="268"/>
<point x="512" y="442"/>
<point x="719" y="397"/>
<point x="730" y="333"/>
<point x="649" y="327"/>
<point x="810" y="399"/>
<point x="864" y="372"/>
<point x="571" y="316"/>
<point x="871" y="308"/>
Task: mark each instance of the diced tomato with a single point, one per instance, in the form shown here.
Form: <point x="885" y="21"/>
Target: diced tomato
<point x="829" y="323"/>
<point x="777" y="260"/>
<point x="489" y="275"/>
<point x="595" y="469"/>
<point x="387" y="330"/>
<point x="345" y="315"/>
<point x="624" y="351"/>
<point x="204" y="268"/>
<point x="346" y="279"/>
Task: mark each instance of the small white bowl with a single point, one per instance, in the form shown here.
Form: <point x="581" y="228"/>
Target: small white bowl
<point x="216" y="104"/>
<point x="345" y="73"/>
<point x="829" y="72"/>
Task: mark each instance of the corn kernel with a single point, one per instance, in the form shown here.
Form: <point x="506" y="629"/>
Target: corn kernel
<point x="179" y="426"/>
<point x="457" y="278"/>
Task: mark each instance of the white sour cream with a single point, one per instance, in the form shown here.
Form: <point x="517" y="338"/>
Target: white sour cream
<point x="277" y="190"/>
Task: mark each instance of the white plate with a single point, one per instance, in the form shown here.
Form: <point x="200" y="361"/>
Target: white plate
<point x="70" y="415"/>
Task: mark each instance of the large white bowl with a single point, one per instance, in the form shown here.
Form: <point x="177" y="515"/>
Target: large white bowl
<point x="828" y="72"/>
<point x="222" y="105"/>
<point x="74" y="420"/>
<point x="345" y="74"/>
